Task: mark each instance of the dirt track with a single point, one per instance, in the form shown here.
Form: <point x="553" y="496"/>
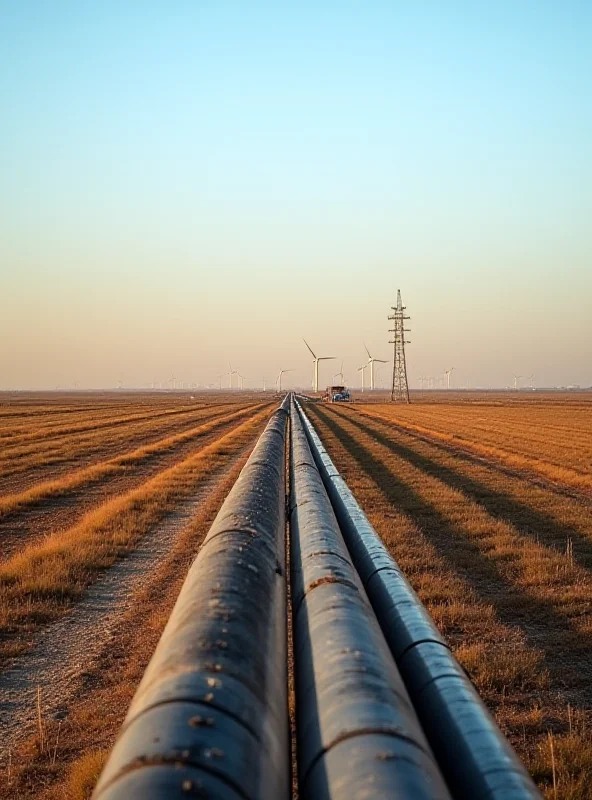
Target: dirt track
<point x="117" y="620"/>
<point x="65" y="650"/>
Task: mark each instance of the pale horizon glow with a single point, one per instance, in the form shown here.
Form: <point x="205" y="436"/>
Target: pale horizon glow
<point x="188" y="184"/>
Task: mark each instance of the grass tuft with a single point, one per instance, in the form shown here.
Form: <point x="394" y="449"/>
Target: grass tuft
<point x="83" y="775"/>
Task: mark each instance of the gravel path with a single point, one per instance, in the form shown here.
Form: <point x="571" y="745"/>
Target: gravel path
<point x="64" y="650"/>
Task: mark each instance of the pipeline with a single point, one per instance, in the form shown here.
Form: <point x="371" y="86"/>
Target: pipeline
<point x="210" y="716"/>
<point x="473" y="754"/>
<point x="357" y="733"/>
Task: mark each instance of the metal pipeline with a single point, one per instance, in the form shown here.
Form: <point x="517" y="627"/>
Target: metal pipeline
<point x="357" y="733"/>
<point x="210" y="717"/>
<point x="473" y="754"/>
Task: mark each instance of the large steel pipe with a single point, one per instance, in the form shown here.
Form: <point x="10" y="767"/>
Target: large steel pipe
<point x="357" y="733"/>
<point x="210" y="716"/>
<point x="475" y="757"/>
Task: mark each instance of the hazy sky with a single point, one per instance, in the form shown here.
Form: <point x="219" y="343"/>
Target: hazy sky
<point x="184" y="183"/>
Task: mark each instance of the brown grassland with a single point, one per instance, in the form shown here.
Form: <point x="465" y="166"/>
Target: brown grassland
<point x="487" y="508"/>
<point x="485" y="501"/>
<point x="118" y="482"/>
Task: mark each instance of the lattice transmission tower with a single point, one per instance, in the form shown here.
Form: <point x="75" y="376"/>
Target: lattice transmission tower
<point x="400" y="390"/>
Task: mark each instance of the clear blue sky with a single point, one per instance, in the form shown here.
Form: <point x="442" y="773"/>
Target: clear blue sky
<point x="186" y="182"/>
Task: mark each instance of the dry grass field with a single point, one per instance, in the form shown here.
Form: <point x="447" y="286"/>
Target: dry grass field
<point x="487" y="506"/>
<point x="104" y="501"/>
<point x="484" y="500"/>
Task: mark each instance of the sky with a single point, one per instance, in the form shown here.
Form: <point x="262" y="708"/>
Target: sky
<point x="184" y="184"/>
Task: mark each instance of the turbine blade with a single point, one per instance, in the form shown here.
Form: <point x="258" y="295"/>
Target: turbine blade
<point x="368" y="351"/>
<point x="309" y="347"/>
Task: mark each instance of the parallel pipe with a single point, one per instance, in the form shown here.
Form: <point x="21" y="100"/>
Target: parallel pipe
<point x="357" y="733"/>
<point x="210" y="717"/>
<point x="475" y="757"/>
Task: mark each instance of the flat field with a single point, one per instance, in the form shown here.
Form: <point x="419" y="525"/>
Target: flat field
<point x="104" y="501"/>
<point x="486" y="504"/>
<point x="484" y="500"/>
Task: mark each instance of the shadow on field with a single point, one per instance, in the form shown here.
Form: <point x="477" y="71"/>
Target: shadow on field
<point x="566" y="653"/>
<point x="525" y="519"/>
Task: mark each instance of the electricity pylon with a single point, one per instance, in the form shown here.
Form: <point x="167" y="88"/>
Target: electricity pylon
<point x="400" y="388"/>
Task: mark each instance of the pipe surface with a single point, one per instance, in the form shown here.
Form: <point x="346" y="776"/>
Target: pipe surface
<point x="474" y="756"/>
<point x="210" y="717"/>
<point x="357" y="733"/>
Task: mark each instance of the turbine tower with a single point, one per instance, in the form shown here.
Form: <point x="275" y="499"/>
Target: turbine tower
<point x="315" y="369"/>
<point x="340" y="374"/>
<point x="230" y="373"/>
<point x="400" y="388"/>
<point x="362" y="369"/>
<point x="516" y="379"/>
<point x="371" y="364"/>
<point x="448" y="372"/>
<point x="279" y="378"/>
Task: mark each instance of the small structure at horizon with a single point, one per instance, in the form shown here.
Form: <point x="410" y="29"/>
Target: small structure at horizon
<point x="400" y="387"/>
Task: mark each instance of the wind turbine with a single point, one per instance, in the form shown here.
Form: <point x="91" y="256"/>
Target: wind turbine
<point x="362" y="369"/>
<point x="340" y="374"/>
<point x="371" y="362"/>
<point x="448" y="372"/>
<point x="230" y="373"/>
<point x="278" y="382"/>
<point x="242" y="380"/>
<point x="315" y="372"/>
<point x="516" y="379"/>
